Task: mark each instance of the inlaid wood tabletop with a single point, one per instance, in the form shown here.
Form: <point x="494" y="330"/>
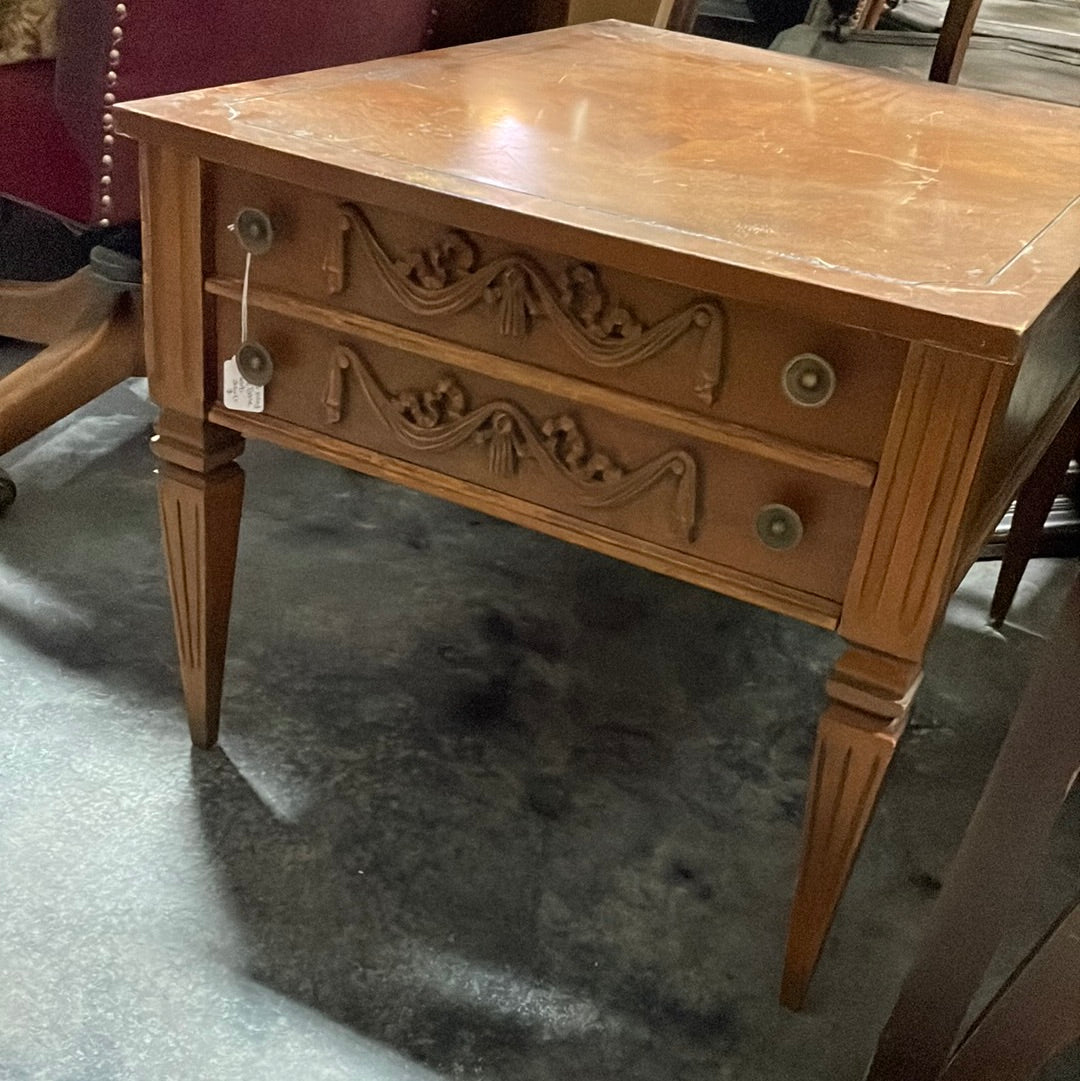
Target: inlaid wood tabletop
<point x="789" y="331"/>
<point x="941" y="200"/>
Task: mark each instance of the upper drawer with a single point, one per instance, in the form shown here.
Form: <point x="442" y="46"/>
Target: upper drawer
<point x="711" y="355"/>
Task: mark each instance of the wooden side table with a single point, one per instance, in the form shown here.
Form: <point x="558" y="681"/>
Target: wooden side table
<point x="801" y="351"/>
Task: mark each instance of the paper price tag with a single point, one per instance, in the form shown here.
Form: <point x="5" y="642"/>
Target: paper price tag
<point x="237" y="393"/>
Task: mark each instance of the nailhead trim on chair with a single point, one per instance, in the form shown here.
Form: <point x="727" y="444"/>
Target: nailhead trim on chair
<point x="108" y="138"/>
<point x="108" y="101"/>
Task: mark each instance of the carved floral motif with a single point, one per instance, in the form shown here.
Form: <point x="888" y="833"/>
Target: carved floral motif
<point x="440" y="419"/>
<point x="447" y="278"/>
<point x="583" y="297"/>
<point x="444" y="263"/>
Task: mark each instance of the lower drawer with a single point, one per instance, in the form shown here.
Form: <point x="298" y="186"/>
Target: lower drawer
<point x="664" y="487"/>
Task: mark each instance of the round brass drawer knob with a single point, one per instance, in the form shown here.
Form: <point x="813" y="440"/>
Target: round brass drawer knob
<point x="254" y="230"/>
<point x="809" y="380"/>
<point x="255" y="363"/>
<point x="779" y="527"/>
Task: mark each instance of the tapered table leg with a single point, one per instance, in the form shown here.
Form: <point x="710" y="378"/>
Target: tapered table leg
<point x="869" y="699"/>
<point x="201" y="493"/>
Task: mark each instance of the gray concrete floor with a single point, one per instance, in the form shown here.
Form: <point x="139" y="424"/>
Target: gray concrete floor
<point x="486" y="806"/>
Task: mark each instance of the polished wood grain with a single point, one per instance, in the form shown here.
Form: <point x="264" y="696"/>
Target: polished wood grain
<point x="560" y="245"/>
<point x="612" y="130"/>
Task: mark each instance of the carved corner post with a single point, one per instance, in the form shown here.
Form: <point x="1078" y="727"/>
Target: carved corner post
<point x="899" y="586"/>
<point x="200" y="487"/>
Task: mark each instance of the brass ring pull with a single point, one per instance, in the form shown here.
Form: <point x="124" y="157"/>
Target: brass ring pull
<point x="255" y="363"/>
<point x="253" y="230"/>
<point x="779" y="527"/>
<point x="808" y="380"/>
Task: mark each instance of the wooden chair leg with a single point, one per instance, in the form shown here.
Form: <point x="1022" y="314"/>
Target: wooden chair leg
<point x="47" y="312"/>
<point x="857" y="735"/>
<point x="96" y="354"/>
<point x="1033" y="503"/>
<point x="663" y="12"/>
<point x="953" y="40"/>
<point x="1001" y="852"/>
<point x="1035" y="1015"/>
<point x="874" y="10"/>
<point x="683" y="16"/>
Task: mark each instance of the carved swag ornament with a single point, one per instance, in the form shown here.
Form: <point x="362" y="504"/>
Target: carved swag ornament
<point x="447" y="278"/>
<point x="440" y="419"/>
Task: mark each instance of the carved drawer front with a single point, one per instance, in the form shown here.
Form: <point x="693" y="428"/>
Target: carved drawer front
<point x="708" y="355"/>
<point x="662" y="486"/>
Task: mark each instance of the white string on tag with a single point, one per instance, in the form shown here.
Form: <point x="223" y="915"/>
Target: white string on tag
<point x="244" y="300"/>
<point x="236" y="392"/>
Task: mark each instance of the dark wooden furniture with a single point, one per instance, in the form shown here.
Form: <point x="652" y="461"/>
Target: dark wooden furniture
<point x="1030" y="514"/>
<point x="1037" y="1012"/>
<point x="801" y="353"/>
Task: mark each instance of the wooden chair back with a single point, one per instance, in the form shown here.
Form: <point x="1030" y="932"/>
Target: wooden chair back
<point x="952" y="43"/>
<point x="1037" y="1012"/>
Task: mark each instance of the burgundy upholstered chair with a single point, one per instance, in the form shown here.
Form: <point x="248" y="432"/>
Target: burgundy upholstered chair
<point x="71" y="186"/>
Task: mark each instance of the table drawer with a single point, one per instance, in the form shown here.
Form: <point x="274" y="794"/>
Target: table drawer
<point x="719" y="357"/>
<point x="641" y="479"/>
